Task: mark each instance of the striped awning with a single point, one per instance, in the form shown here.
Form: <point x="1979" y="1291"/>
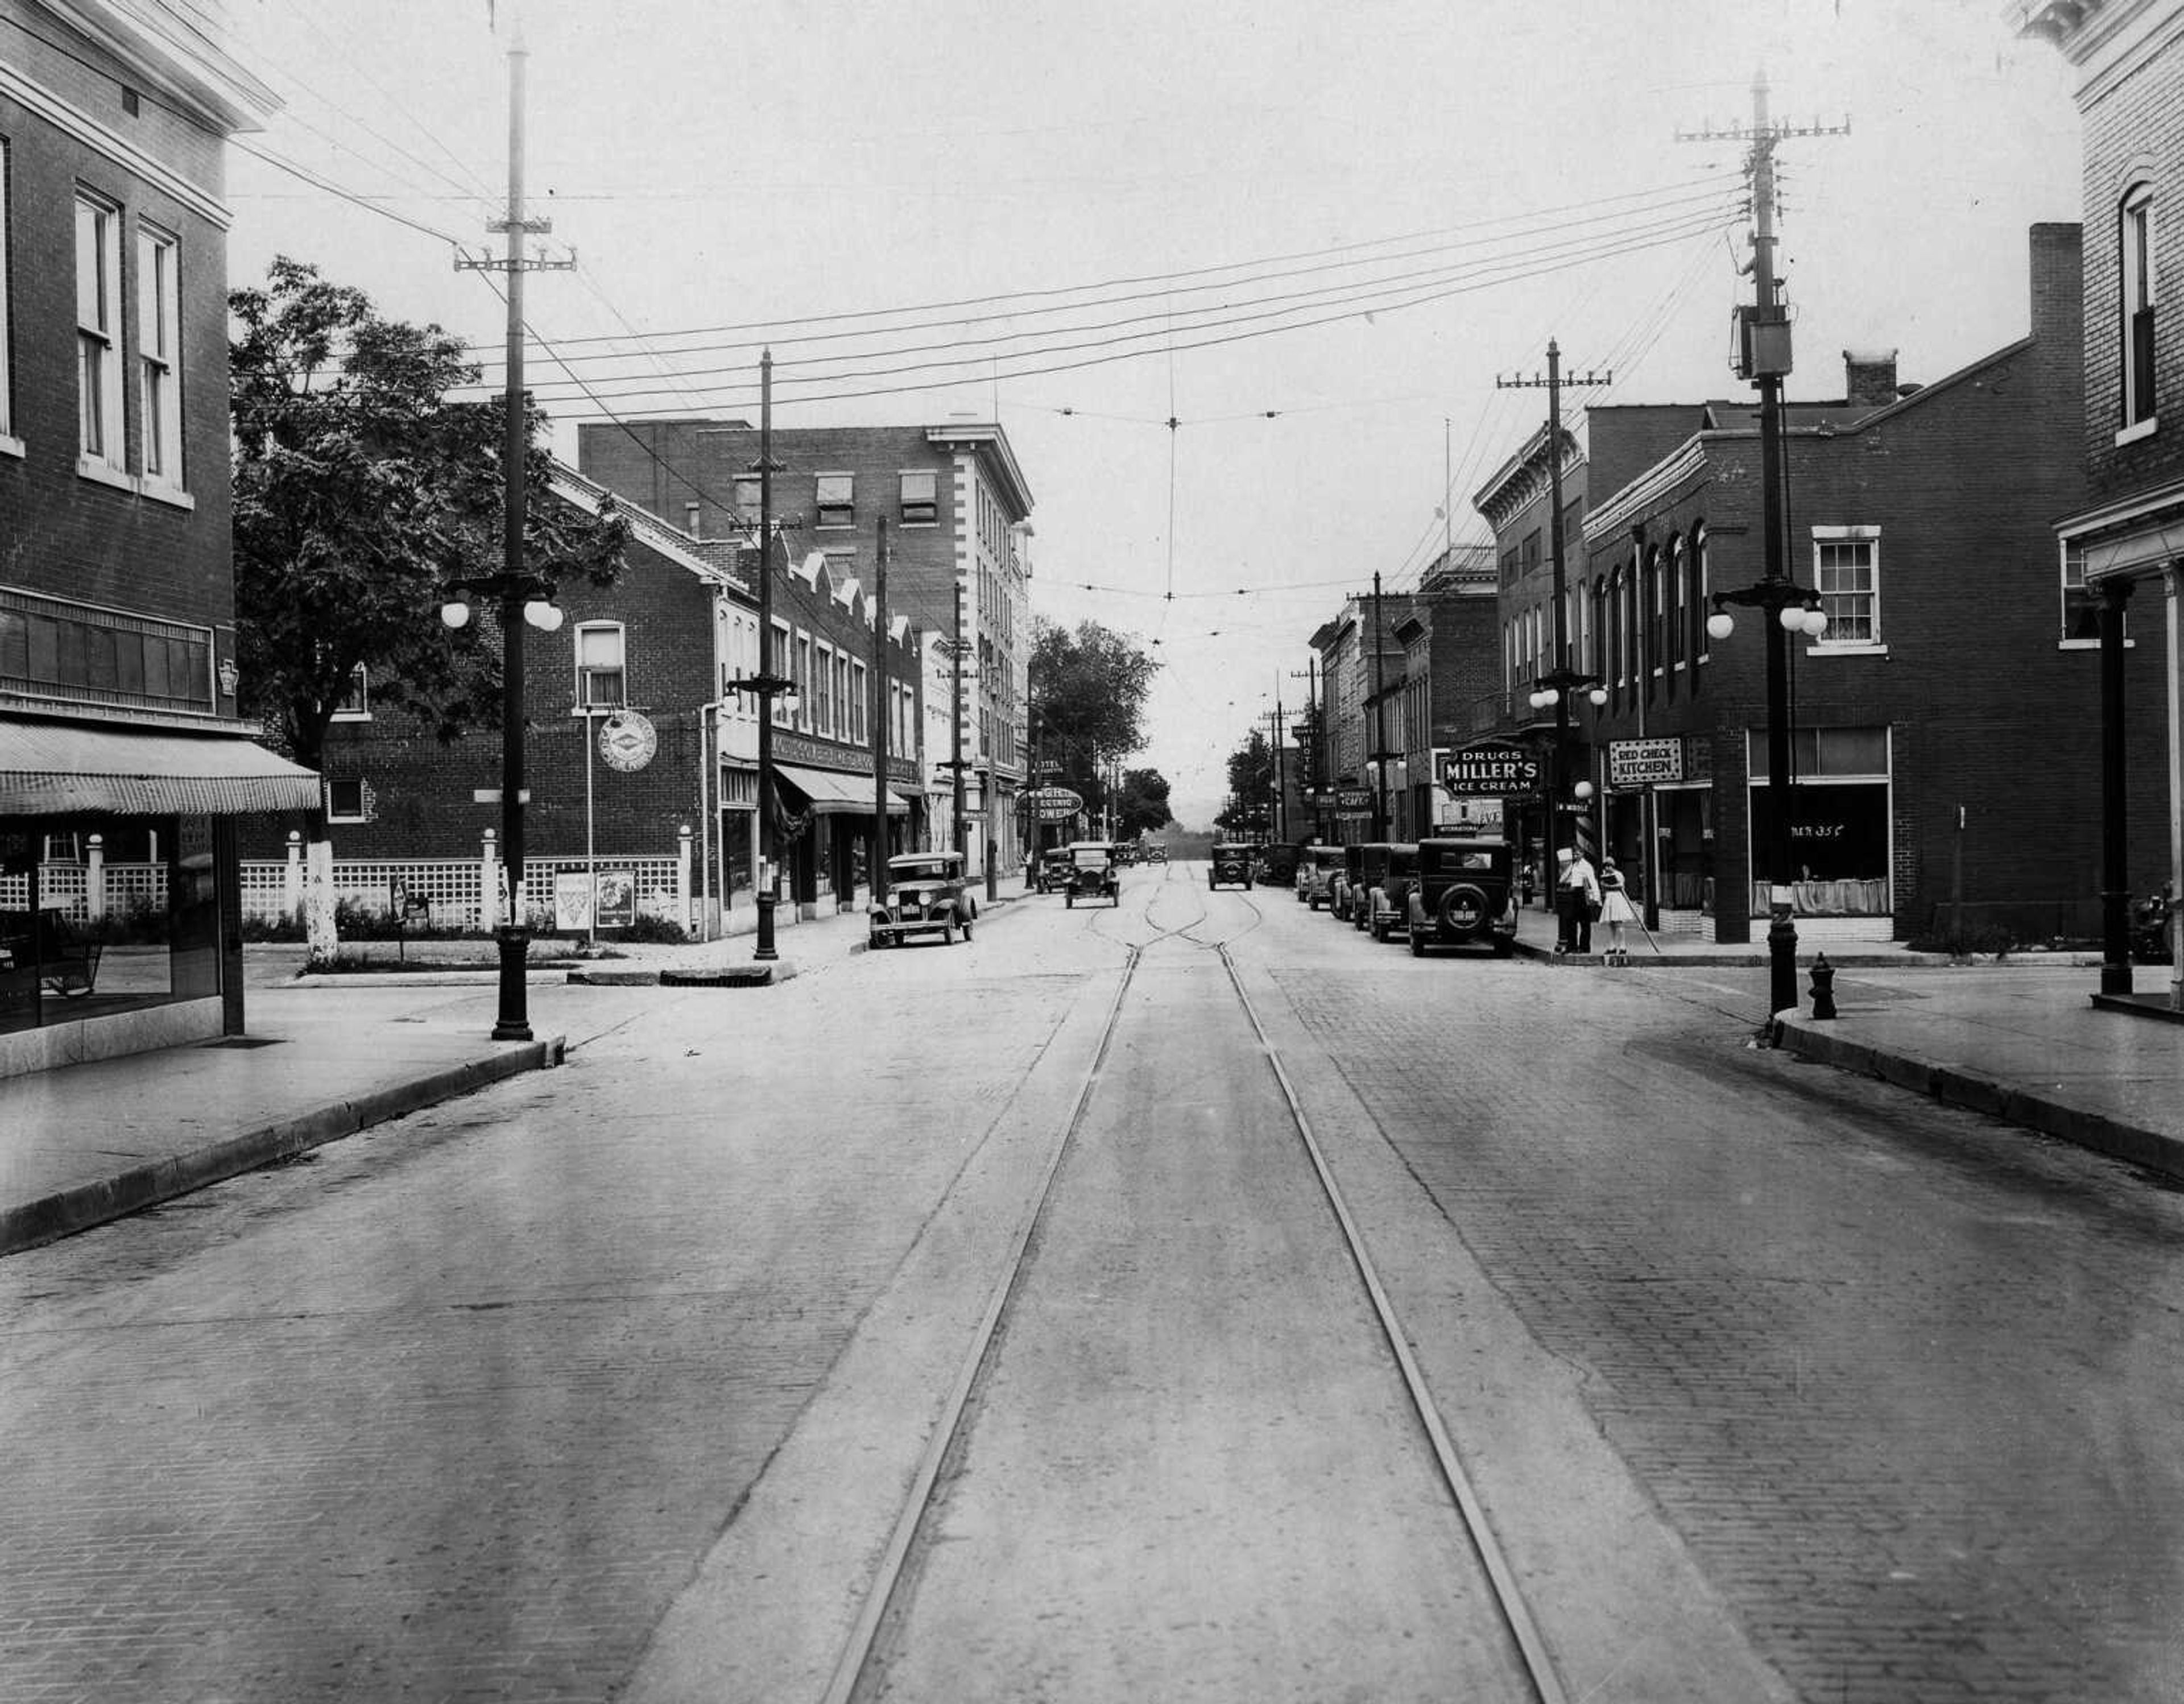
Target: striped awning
<point x="830" y="792"/>
<point x="54" y="769"/>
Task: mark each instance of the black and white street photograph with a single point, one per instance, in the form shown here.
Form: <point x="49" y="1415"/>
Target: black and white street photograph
<point x="993" y="852"/>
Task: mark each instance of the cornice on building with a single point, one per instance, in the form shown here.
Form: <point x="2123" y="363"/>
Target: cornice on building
<point x="2103" y="39"/>
<point x="178" y="48"/>
<point x="1524" y="478"/>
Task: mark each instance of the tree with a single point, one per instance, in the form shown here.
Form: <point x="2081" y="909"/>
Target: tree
<point x="1089" y="688"/>
<point x="1250" y="788"/>
<point x="361" y="493"/>
<point x="1141" y="803"/>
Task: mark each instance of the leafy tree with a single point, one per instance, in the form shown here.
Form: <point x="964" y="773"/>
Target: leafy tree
<point x="361" y="491"/>
<point x="1089" y="688"/>
<point x="1141" y="803"/>
<point x="1250" y="787"/>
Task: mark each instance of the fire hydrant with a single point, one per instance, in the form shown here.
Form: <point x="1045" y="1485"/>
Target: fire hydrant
<point x="1823" y="988"/>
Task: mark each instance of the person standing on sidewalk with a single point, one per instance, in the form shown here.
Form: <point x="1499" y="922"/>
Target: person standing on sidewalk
<point x="1577" y="901"/>
<point x="1615" y="910"/>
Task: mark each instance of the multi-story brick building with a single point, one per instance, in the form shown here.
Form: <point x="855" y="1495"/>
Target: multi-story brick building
<point x="2129" y="531"/>
<point x="957" y="510"/>
<point x="1946" y="763"/>
<point x="1361" y="664"/>
<point x="647" y="663"/>
<point x="1449" y="635"/>
<point x="124" y="766"/>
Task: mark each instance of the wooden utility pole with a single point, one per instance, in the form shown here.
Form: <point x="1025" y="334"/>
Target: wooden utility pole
<point x="883" y="704"/>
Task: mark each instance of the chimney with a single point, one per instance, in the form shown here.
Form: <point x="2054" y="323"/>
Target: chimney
<point x="2058" y="284"/>
<point x="1870" y="377"/>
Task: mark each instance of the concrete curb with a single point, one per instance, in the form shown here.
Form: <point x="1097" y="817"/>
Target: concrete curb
<point x="78" y="1209"/>
<point x="1955" y="1086"/>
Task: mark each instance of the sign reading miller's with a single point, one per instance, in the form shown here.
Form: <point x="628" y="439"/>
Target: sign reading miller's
<point x="1490" y="768"/>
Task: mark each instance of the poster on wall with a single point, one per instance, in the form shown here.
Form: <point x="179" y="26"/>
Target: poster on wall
<point x="573" y="901"/>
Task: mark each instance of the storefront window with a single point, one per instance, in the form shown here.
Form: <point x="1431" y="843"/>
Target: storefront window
<point x="1839" y="819"/>
<point x="128" y="918"/>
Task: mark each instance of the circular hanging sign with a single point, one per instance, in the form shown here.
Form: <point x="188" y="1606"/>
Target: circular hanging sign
<point x="627" y="741"/>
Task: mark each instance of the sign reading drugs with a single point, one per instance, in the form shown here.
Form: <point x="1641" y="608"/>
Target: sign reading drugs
<point x="1639" y="762"/>
<point x="1490" y="768"/>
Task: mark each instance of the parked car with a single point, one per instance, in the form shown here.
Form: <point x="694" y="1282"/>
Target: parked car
<point x="1387" y="900"/>
<point x="1053" y="874"/>
<point x="1093" y="874"/>
<point x="1316" y="867"/>
<point x="926" y="895"/>
<point x="1345" y="886"/>
<point x="1232" y="863"/>
<point x="1278" y="864"/>
<point x="1460" y="896"/>
<point x="1371" y="870"/>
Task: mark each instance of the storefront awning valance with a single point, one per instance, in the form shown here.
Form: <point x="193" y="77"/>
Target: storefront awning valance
<point x="829" y="791"/>
<point x="52" y="769"/>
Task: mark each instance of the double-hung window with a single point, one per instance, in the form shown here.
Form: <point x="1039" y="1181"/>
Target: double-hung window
<point x="1846" y="574"/>
<point x="2136" y="231"/>
<point x="7" y="439"/>
<point x="921" y="498"/>
<point x="836" y="502"/>
<point x="159" y="354"/>
<point x="602" y="672"/>
<point x="99" y="331"/>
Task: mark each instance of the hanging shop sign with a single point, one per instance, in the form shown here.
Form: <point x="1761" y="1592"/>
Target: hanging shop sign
<point x="1644" y="762"/>
<point x="1490" y="768"/>
<point x="627" y="741"/>
<point x="1054" y="804"/>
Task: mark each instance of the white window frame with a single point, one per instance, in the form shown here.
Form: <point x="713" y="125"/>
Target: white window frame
<point x="782" y="666"/>
<point x="361" y="813"/>
<point x="804" y="688"/>
<point x="2137" y="291"/>
<point x="583" y="682"/>
<point x="355" y="704"/>
<point x="919" y="510"/>
<point x="1874" y="644"/>
<point x="100" y="426"/>
<point x="860" y="709"/>
<point x="835" y="494"/>
<point x="744" y="492"/>
<point x="159" y="356"/>
<point x="822" y="684"/>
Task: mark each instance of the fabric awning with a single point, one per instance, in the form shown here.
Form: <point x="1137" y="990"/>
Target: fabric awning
<point x="52" y="769"/>
<point x="830" y="793"/>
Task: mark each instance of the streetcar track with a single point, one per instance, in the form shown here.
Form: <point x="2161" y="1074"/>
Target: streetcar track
<point x="952" y="1427"/>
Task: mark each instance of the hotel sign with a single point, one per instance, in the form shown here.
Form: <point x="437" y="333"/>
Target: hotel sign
<point x="1490" y="769"/>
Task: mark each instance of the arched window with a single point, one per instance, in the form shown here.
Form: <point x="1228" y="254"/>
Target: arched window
<point x="1672" y="593"/>
<point x="1695" y="604"/>
<point x="1652" y="593"/>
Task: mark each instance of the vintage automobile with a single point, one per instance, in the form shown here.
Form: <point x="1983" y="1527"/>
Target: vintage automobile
<point x="1387" y="901"/>
<point x="1053" y="872"/>
<point x="1316" y="869"/>
<point x="1277" y="863"/>
<point x="926" y="895"/>
<point x="1232" y="863"/>
<point x="1344" y="886"/>
<point x="1157" y="852"/>
<point x="1093" y="874"/>
<point x="1372" y="869"/>
<point x="1460" y="896"/>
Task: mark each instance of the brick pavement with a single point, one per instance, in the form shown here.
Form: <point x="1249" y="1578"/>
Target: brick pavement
<point x="1903" y="1380"/>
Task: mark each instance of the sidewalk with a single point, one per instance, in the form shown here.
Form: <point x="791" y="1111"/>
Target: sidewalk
<point x="325" y="1057"/>
<point x="2019" y="1038"/>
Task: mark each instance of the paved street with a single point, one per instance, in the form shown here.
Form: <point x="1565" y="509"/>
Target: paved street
<point x="611" y="1380"/>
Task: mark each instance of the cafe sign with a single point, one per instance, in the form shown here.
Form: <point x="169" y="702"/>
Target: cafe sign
<point x="1644" y="762"/>
<point x="1490" y="768"/>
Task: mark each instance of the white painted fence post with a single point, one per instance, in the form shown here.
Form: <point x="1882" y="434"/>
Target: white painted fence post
<point x="682" y="900"/>
<point x="94" y="877"/>
<point x="489" y="882"/>
<point x="292" y="878"/>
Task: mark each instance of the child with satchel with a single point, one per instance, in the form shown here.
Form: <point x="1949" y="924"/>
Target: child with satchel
<point x="1615" y="910"/>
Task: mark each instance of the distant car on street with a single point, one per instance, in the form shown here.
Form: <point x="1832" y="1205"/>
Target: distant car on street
<point x="1093" y="874"/>
<point x="1232" y="863"/>
<point x="926" y="895"/>
<point x="1315" y="872"/>
<point x="1370" y="870"/>
<point x="1277" y="863"/>
<point x="1157" y="852"/>
<point x="1053" y="868"/>
<point x="1387" y="900"/>
<point x="1460" y="896"/>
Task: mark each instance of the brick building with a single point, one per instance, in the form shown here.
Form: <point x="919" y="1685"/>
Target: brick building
<point x="647" y="663"/>
<point x="124" y="767"/>
<point x="1449" y="635"/>
<point x="957" y="510"/>
<point x="1946" y="762"/>
<point x="1361" y="666"/>
<point x="2128" y="533"/>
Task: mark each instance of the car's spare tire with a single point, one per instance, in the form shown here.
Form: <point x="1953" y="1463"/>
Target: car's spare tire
<point x="1463" y="909"/>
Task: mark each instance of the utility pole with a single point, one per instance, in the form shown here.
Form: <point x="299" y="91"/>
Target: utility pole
<point x="515" y="588"/>
<point x="1559" y="683"/>
<point x="883" y="702"/>
<point x="1763" y="357"/>
<point x="1381" y="753"/>
<point x="961" y="826"/>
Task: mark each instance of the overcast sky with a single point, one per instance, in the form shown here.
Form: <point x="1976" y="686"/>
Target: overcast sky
<point x="1438" y="186"/>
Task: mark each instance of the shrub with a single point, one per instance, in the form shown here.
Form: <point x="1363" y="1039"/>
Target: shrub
<point x="1964" y="940"/>
<point x="649" y="927"/>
